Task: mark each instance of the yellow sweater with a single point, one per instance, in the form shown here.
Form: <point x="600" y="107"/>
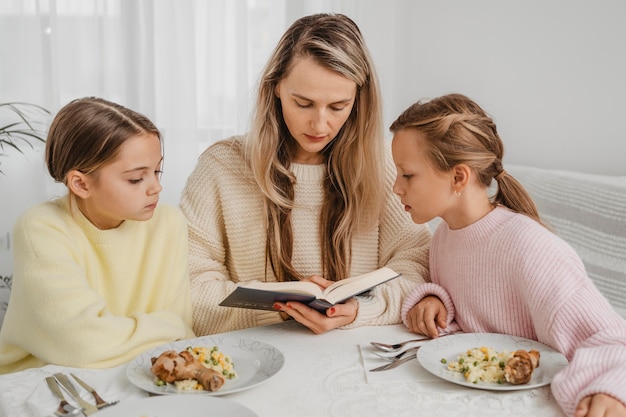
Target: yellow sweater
<point x="223" y="206"/>
<point x="94" y="298"/>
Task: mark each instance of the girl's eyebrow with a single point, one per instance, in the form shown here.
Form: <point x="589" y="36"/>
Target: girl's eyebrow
<point x="143" y="168"/>
<point x="136" y="169"/>
<point x="300" y="96"/>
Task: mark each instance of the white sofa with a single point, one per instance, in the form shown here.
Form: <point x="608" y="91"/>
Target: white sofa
<point x="588" y="211"/>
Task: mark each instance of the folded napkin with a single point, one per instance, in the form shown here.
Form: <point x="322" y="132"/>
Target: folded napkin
<point x="26" y="393"/>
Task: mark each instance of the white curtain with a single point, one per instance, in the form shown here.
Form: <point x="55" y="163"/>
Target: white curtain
<point x="192" y="66"/>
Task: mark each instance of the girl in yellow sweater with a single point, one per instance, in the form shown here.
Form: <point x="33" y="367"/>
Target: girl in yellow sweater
<point x="100" y="274"/>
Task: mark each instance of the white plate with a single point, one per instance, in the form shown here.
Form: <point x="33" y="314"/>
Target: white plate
<point x="254" y="362"/>
<point x="176" y="406"/>
<point x="450" y="347"/>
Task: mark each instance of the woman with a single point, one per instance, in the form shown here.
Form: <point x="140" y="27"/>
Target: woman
<point x="306" y="193"/>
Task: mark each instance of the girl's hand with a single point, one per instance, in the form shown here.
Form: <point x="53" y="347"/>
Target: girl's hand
<point x="336" y="316"/>
<point x="600" y="405"/>
<point x="426" y="315"/>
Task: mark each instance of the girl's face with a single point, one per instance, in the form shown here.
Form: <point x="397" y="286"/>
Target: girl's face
<point x="425" y="192"/>
<point x="127" y="188"/>
<point x="316" y="102"/>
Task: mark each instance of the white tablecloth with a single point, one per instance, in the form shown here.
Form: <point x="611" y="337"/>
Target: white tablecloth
<point x="323" y="375"/>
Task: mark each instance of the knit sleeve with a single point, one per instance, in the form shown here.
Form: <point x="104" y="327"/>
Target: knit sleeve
<point x="570" y="314"/>
<point x="225" y="222"/>
<point x="591" y="335"/>
<point x="403" y="247"/>
<point x="598" y="366"/>
<point x="420" y="292"/>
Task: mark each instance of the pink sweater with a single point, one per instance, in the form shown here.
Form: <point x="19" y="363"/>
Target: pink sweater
<point x="508" y="274"/>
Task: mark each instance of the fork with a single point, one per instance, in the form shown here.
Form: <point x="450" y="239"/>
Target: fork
<point x="100" y="403"/>
<point x="394" y="363"/>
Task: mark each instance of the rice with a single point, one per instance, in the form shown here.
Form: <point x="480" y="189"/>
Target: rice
<point x="214" y="359"/>
<point x="483" y="364"/>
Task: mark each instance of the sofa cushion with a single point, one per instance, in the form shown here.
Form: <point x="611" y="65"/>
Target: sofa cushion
<point x="589" y="212"/>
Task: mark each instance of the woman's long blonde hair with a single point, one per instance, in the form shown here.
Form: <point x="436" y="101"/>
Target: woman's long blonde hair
<point x="354" y="168"/>
<point x="458" y="131"/>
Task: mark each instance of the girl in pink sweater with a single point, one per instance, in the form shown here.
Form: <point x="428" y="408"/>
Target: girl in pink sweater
<point x="494" y="266"/>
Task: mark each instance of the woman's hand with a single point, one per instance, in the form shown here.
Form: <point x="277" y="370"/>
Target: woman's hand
<point x="600" y="405"/>
<point x="426" y="315"/>
<point x="336" y="316"/>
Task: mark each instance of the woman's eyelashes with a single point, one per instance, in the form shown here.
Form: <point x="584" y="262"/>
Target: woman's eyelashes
<point x="307" y="105"/>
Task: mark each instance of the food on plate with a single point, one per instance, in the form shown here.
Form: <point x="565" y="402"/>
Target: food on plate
<point x="193" y="368"/>
<point x="519" y="368"/>
<point x="485" y="364"/>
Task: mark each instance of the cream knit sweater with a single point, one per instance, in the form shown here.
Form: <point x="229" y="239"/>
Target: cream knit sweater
<point x="227" y="242"/>
<point x="93" y="298"/>
<point x="508" y="274"/>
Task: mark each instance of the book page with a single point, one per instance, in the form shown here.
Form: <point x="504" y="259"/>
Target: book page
<point x="349" y="287"/>
<point x="294" y="287"/>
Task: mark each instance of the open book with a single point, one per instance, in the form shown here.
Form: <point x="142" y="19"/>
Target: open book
<point x="262" y="295"/>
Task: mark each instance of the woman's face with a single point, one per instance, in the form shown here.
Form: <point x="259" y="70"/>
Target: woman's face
<point x="316" y="103"/>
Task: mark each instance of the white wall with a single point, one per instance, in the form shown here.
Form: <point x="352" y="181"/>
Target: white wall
<point x="552" y="73"/>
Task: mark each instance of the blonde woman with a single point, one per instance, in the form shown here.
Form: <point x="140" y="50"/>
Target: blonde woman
<point x="306" y="193"/>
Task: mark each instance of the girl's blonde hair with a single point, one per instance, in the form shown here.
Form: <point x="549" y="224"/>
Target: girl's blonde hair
<point x="354" y="163"/>
<point x="458" y="131"/>
<point x="87" y="133"/>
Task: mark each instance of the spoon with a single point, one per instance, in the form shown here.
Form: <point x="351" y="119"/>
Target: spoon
<point x="392" y="356"/>
<point x="65" y="409"/>
<point x="396" y="346"/>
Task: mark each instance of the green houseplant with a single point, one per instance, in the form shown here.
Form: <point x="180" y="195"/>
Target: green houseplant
<point x="18" y="127"/>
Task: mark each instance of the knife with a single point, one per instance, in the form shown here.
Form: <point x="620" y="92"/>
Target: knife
<point x="65" y="408"/>
<point x="88" y="408"/>
<point x="395" y="363"/>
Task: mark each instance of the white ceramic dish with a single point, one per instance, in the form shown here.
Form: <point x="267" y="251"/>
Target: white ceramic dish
<point x="254" y="361"/>
<point x="450" y="347"/>
<point x="176" y="406"/>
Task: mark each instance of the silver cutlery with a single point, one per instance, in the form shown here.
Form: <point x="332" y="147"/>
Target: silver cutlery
<point x="385" y="347"/>
<point x="396" y="346"/>
<point x="65" y="408"/>
<point x="100" y="403"/>
<point x="395" y="363"/>
<point x="391" y="356"/>
<point x="88" y="408"/>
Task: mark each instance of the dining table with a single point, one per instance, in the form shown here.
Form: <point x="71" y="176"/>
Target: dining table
<point x="314" y="375"/>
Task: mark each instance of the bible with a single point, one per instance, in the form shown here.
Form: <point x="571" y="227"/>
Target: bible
<point x="262" y="295"/>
